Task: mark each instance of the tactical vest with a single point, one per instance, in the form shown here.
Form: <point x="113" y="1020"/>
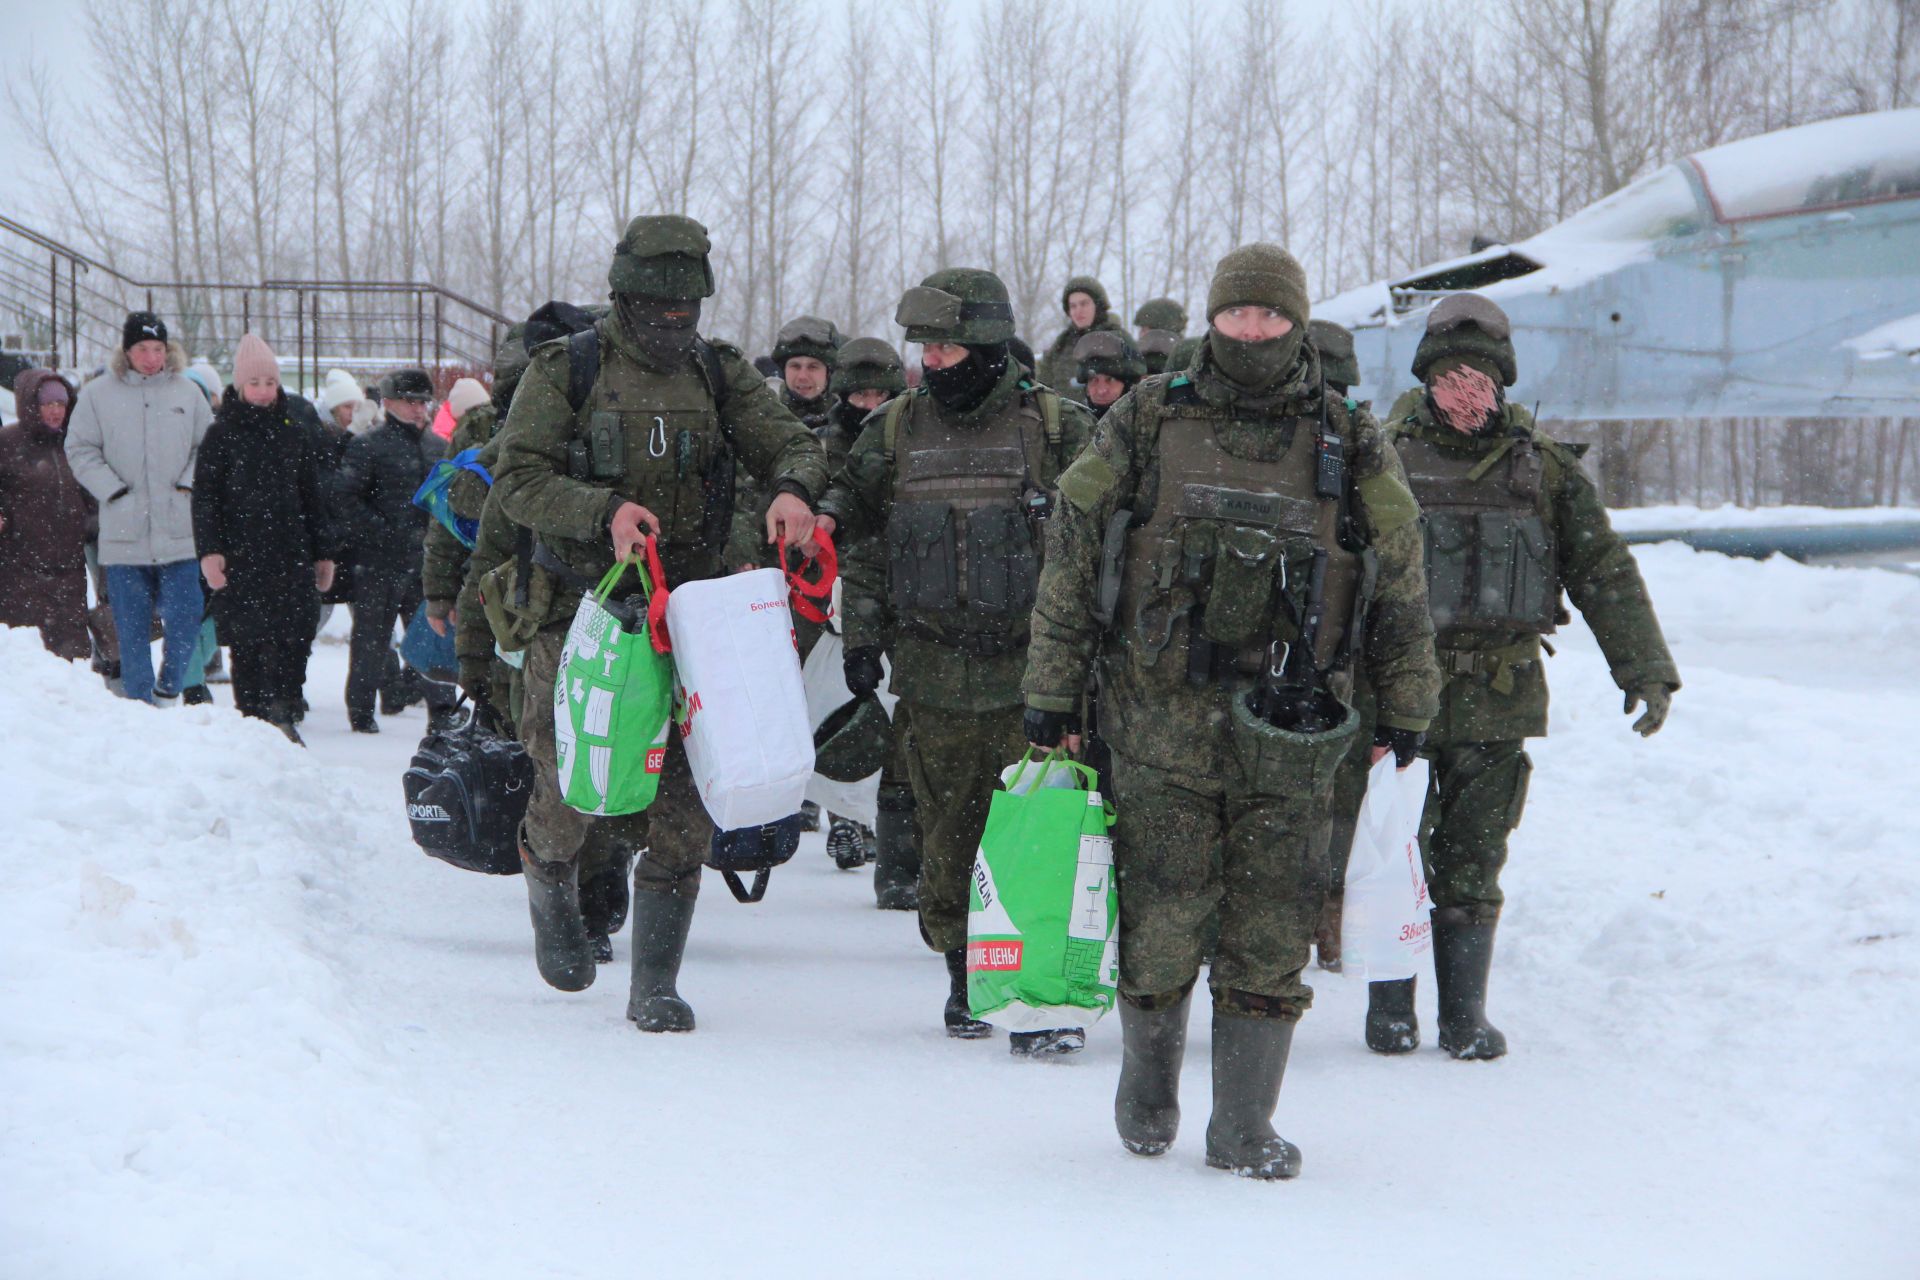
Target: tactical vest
<point x="1228" y="537"/>
<point x="1490" y="555"/>
<point x="962" y="556"/>
<point x="655" y="438"/>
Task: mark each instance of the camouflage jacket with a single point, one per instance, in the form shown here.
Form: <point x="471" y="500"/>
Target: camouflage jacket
<point x="445" y="561"/>
<point x="1056" y="366"/>
<point x="747" y="540"/>
<point x="1596" y="569"/>
<point x="861" y="501"/>
<point x="1120" y="471"/>
<point x="536" y="485"/>
<point x="473" y="638"/>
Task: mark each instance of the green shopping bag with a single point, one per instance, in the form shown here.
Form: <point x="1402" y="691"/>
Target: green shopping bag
<point x="1043" y="917"/>
<point x="613" y="699"/>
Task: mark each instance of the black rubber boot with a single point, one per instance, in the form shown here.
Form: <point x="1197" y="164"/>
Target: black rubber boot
<point x="961" y="1024"/>
<point x="1153" y="1043"/>
<point x="844" y="845"/>
<point x="560" y="946"/>
<point x="1249" y="1061"/>
<point x="896" y="866"/>
<point x="362" y="722"/>
<point x="809" y="816"/>
<point x="1056" y="1042"/>
<point x="196" y="695"/>
<point x="603" y="906"/>
<point x="1392" y="1025"/>
<point x="660" y="924"/>
<point x="1462" y="960"/>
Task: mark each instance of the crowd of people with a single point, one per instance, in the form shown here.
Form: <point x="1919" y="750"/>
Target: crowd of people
<point x="1194" y="561"/>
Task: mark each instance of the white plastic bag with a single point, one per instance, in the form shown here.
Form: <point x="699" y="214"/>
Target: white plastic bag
<point x="826" y="681"/>
<point x="1384" y="928"/>
<point x="740" y="706"/>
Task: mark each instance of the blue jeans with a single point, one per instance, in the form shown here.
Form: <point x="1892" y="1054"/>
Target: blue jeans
<point x="132" y="591"/>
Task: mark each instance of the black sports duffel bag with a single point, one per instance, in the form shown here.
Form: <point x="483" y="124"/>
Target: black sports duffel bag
<point x="753" y="849"/>
<point x="467" y="790"/>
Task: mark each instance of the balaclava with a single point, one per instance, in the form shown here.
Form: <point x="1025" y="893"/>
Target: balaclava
<point x="963" y="387"/>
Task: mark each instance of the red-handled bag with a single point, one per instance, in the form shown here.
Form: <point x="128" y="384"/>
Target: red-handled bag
<point x="656" y="583"/>
<point x="806" y="591"/>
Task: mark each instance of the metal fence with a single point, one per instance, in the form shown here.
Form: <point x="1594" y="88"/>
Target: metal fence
<point x="65" y="308"/>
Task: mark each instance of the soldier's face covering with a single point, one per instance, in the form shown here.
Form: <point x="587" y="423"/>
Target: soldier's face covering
<point x="964" y="386"/>
<point x="1464" y="398"/>
<point x="1255" y="366"/>
<point x="664" y="328"/>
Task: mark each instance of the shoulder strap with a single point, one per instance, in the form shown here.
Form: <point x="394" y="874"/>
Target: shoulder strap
<point x="715" y="371"/>
<point x="890" y="426"/>
<point x="1050" y="416"/>
<point x="583" y="366"/>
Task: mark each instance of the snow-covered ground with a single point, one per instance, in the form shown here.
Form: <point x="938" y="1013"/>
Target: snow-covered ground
<point x="247" y="1029"/>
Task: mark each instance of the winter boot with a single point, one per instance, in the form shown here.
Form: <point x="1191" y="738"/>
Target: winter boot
<point x="603" y="906"/>
<point x="961" y="1024"/>
<point x="1146" y="1108"/>
<point x="809" y="816"/>
<point x="362" y="722"/>
<point x="844" y="845"/>
<point x="1056" y="1043"/>
<point x="896" y="867"/>
<point x="1249" y="1060"/>
<point x="1392" y="1025"/>
<point x="1462" y="959"/>
<point x="196" y="695"/>
<point x="660" y="924"/>
<point x="560" y="945"/>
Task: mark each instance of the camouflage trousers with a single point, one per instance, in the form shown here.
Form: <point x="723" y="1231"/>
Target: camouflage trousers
<point x="1475" y="795"/>
<point x="954" y="759"/>
<point x="674" y="831"/>
<point x="1187" y="846"/>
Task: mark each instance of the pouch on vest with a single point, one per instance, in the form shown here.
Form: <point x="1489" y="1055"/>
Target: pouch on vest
<point x="1449" y="554"/>
<point x="1517" y="569"/>
<point x="606" y="446"/>
<point x="514" y="626"/>
<point x="921" y="556"/>
<point x="1240" y="601"/>
<point x="1286" y="765"/>
<point x="1002" y="569"/>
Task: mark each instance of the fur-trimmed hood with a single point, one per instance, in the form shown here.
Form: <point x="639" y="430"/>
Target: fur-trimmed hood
<point x="120" y="367"/>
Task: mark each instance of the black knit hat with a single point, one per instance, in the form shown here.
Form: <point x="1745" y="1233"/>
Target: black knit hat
<point x="142" y="326"/>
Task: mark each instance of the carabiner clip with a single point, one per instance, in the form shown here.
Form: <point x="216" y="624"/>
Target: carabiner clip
<point x="1278" y="668"/>
<point x="657" y="439"/>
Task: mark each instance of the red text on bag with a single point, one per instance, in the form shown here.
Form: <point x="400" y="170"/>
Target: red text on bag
<point x="994" y="957"/>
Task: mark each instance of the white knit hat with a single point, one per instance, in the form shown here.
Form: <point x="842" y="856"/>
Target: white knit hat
<point x="466" y="394"/>
<point x="339" y="388"/>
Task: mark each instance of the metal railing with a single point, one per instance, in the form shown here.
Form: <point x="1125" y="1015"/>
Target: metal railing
<point x="67" y="308"/>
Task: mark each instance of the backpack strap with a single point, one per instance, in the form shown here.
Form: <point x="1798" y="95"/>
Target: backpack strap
<point x="583" y="366"/>
<point x="716" y="373"/>
<point x="890" y="427"/>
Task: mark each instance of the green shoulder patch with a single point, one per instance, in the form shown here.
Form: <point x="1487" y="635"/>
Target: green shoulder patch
<point x="1390" y="504"/>
<point x="1088" y="480"/>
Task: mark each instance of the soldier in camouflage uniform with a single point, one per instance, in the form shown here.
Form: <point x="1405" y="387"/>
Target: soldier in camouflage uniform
<point x="649" y="451"/>
<point x="1156" y="348"/>
<point x="1160" y="314"/>
<point x="1109" y="368"/>
<point x="1511" y="523"/>
<point x="868" y="375"/>
<point x="1085" y="302"/>
<point x="954" y="478"/>
<point x="1183" y="353"/>
<point x="1177" y="562"/>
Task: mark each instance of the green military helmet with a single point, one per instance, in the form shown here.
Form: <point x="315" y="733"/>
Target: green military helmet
<point x="1109" y="352"/>
<point x="1161" y="313"/>
<point x="957" y="304"/>
<point x="807" y="336"/>
<point x="1472" y="328"/>
<point x="1093" y="289"/>
<point x="1156" y="347"/>
<point x="853" y="742"/>
<point x="1335" y="345"/>
<point x="663" y="255"/>
<point x="869" y="364"/>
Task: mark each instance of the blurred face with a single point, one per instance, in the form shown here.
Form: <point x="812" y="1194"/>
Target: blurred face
<point x="54" y="413"/>
<point x="942" y="355"/>
<point x="1080" y="310"/>
<point x="867" y="398"/>
<point x="806" y="377"/>
<point x="1103" y="390"/>
<point x="1252" y="324"/>
<point x="261" y="390"/>
<point x="147" y="356"/>
<point x="343" y="414"/>
<point x="411" y="412"/>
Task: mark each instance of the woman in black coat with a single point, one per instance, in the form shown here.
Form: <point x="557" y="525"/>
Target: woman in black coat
<point x="261" y="527"/>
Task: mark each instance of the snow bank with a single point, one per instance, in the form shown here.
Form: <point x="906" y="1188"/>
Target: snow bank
<point x="248" y="1030"/>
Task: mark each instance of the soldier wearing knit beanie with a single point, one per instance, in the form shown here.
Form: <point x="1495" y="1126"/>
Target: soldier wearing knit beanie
<point x="1257" y="306"/>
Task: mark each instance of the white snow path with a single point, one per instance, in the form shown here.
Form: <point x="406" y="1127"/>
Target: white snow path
<point x="247" y="1028"/>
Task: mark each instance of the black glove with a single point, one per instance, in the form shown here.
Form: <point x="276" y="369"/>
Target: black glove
<point x="1405" y="743"/>
<point x="861" y="666"/>
<point x="1046" y="728"/>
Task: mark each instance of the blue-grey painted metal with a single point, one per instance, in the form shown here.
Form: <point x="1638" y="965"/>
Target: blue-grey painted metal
<point x="1778" y="276"/>
<point x="1796" y="542"/>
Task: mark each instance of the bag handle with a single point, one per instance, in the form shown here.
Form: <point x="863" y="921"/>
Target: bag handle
<point x="1084" y="776"/>
<point x="653" y="585"/>
<point x="740" y="891"/>
<point x="803" y="590"/>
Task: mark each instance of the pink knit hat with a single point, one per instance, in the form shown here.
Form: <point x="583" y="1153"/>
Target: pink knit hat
<point x="254" y="359"/>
